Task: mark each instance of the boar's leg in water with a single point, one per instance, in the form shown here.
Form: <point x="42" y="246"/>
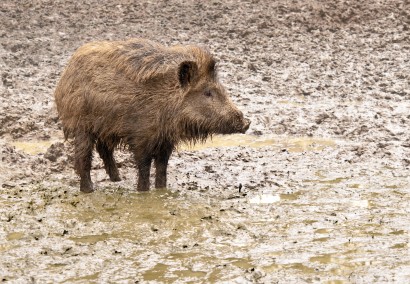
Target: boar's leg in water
<point x="161" y="164"/>
<point x="107" y="155"/>
<point x="144" y="167"/>
<point x="84" y="143"/>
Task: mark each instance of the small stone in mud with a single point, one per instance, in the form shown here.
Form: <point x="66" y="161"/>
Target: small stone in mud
<point x="252" y="67"/>
<point x="240" y="227"/>
<point x="54" y="152"/>
<point x="206" y="218"/>
<point x="266" y="78"/>
<point x="9" y="217"/>
<point x="209" y="169"/>
<point x="256" y="274"/>
<point x="8" y="185"/>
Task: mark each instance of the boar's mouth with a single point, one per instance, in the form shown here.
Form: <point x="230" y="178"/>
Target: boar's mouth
<point x="246" y="125"/>
<point x="199" y="132"/>
<point x="238" y="126"/>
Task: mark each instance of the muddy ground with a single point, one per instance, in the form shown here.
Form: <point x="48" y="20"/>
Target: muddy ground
<point x="317" y="191"/>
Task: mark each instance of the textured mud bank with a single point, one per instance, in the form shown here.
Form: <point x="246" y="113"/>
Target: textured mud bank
<point x="317" y="191"/>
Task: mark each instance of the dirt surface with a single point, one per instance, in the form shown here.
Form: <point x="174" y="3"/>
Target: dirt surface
<point x="316" y="192"/>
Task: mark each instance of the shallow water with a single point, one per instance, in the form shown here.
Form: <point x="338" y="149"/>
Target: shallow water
<point x="33" y="147"/>
<point x="291" y="144"/>
<point x="167" y="236"/>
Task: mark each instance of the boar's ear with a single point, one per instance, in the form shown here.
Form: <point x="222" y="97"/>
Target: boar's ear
<point x="187" y="72"/>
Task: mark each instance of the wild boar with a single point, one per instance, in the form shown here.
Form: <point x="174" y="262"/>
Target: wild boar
<point x="143" y="95"/>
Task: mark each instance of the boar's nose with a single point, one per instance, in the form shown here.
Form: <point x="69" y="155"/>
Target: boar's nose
<point x="246" y="124"/>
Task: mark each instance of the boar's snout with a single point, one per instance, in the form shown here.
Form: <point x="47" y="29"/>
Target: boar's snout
<point x="241" y="124"/>
<point x="246" y="124"/>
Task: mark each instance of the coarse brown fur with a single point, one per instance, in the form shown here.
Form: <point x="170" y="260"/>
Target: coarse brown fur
<point x="144" y="95"/>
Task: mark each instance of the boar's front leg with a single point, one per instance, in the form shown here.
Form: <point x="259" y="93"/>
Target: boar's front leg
<point x="144" y="167"/>
<point x="83" y="155"/>
<point x="161" y="164"/>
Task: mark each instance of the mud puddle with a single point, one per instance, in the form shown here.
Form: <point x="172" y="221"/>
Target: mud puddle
<point x="170" y="235"/>
<point x="291" y="144"/>
<point x="33" y="147"/>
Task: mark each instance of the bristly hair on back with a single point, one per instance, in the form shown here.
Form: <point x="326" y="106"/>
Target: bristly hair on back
<point x="142" y="60"/>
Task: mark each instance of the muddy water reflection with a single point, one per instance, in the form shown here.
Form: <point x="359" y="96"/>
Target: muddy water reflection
<point x="140" y="214"/>
<point x="291" y="144"/>
<point x="33" y="147"/>
<point x="170" y="237"/>
<point x="268" y="197"/>
<point x="173" y="238"/>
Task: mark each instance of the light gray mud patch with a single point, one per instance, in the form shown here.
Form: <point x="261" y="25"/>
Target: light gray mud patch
<point x="318" y="192"/>
<point x="232" y="219"/>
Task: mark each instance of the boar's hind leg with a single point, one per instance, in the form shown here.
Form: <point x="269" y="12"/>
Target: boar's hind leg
<point x="161" y="164"/>
<point x="106" y="151"/>
<point x="84" y="143"/>
<point x="144" y="167"/>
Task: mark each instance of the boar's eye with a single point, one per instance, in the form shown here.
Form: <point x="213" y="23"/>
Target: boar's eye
<point x="208" y="94"/>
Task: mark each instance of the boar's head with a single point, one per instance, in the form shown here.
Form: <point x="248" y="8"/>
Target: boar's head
<point x="206" y="107"/>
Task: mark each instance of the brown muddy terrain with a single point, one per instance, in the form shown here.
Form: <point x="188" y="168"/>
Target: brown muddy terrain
<point x="317" y="191"/>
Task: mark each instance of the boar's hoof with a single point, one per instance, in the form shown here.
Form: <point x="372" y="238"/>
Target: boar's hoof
<point x="115" y="178"/>
<point x="86" y="187"/>
<point x="142" y="187"/>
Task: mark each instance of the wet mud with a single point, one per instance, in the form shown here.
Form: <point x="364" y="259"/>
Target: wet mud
<point x="317" y="191"/>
